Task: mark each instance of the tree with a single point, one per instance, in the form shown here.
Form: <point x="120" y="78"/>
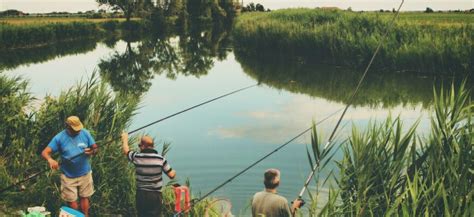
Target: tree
<point x="429" y="10"/>
<point x="126" y="6"/>
<point x="129" y="73"/>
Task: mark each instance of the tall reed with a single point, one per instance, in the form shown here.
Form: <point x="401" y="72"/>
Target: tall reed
<point x="12" y="36"/>
<point x="36" y="35"/>
<point x="388" y="171"/>
<point x="28" y="126"/>
<point x="350" y="38"/>
<point x="102" y="113"/>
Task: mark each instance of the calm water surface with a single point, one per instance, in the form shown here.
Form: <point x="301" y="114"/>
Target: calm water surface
<point x="215" y="141"/>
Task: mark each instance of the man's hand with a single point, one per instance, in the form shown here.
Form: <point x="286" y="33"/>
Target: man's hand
<point x="53" y="164"/>
<point x="88" y="151"/>
<point x="295" y="205"/>
<point x="92" y="150"/>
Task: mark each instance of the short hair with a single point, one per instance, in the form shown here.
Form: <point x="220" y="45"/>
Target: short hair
<point x="147" y="141"/>
<point x="271" y="178"/>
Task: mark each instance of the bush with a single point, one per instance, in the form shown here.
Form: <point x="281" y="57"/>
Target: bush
<point x="134" y="26"/>
<point x="111" y="25"/>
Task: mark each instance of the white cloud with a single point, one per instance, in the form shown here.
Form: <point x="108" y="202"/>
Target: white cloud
<point x="279" y="124"/>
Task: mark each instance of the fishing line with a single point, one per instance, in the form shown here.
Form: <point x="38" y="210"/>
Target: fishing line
<point x="351" y="99"/>
<point x="69" y="160"/>
<point x="194" y="202"/>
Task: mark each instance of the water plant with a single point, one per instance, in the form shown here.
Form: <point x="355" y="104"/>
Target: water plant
<point x="389" y="171"/>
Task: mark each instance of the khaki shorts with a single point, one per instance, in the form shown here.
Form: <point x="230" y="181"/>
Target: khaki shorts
<point x="71" y="186"/>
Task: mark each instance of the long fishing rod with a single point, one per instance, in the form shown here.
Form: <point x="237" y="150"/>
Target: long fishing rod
<point x="351" y="99"/>
<point x="24" y="180"/>
<point x="258" y="161"/>
<point x="69" y="160"/>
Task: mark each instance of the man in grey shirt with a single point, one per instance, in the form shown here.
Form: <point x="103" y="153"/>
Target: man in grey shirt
<point x="268" y="203"/>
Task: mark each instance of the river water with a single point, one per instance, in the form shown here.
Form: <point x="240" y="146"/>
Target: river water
<point x="211" y="143"/>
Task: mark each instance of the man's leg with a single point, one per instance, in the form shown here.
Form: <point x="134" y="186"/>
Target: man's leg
<point x="73" y="205"/>
<point x="85" y="205"/>
<point x="86" y="189"/>
<point x="69" y="191"/>
<point x="148" y="203"/>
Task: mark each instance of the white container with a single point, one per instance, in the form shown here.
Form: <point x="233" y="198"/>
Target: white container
<point x="36" y="209"/>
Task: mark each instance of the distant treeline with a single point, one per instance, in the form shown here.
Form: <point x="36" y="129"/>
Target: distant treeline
<point x="350" y="38"/>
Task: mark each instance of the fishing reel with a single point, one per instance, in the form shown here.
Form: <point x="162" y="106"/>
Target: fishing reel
<point x="302" y="202"/>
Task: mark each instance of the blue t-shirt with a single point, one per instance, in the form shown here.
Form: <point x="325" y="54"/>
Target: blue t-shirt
<point x="68" y="147"/>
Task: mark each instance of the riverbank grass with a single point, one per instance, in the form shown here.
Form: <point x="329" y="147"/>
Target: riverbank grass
<point x="440" y="43"/>
<point x="49" y="20"/>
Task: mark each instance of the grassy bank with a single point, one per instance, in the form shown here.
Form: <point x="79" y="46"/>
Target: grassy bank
<point x="28" y="33"/>
<point x="423" y="44"/>
<point x="388" y="171"/>
<point x="440" y="19"/>
<point x="52" y="20"/>
<point x="28" y="125"/>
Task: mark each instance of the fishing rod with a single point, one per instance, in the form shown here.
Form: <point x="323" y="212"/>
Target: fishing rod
<point x="24" y="180"/>
<point x="69" y="160"/>
<point x="194" y="202"/>
<point x="172" y="115"/>
<point x="351" y="99"/>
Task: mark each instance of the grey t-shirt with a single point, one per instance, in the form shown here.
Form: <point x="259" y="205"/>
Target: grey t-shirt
<point x="266" y="204"/>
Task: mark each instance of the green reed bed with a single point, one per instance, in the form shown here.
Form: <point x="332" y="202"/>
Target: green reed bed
<point x="28" y="35"/>
<point x="29" y="124"/>
<point x="387" y="170"/>
<point x="40" y="34"/>
<point x="445" y="18"/>
<point x="350" y="38"/>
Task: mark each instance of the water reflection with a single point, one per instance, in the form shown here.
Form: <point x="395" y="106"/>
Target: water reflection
<point x="11" y="59"/>
<point x="189" y="53"/>
<point x="192" y="43"/>
<point x="336" y="83"/>
<point x="128" y="73"/>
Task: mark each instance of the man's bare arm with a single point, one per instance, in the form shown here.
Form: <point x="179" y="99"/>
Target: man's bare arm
<point x="46" y="154"/>
<point x="125" y="147"/>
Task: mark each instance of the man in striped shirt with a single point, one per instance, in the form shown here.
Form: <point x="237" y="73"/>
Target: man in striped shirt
<point x="149" y="167"/>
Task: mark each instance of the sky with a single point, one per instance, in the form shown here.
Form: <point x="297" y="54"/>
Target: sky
<point x="44" y="6"/>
